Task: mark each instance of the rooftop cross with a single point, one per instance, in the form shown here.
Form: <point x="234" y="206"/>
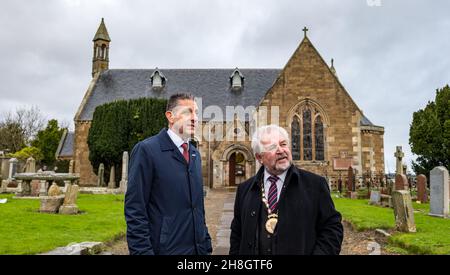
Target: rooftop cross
<point x="305" y="30"/>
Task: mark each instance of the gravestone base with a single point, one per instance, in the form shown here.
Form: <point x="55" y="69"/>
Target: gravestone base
<point x="386" y="200"/>
<point x="354" y="195"/>
<point x="439" y="216"/>
<point x="123" y="186"/>
<point x="51" y="204"/>
<point x="4" y="187"/>
<point x="68" y="210"/>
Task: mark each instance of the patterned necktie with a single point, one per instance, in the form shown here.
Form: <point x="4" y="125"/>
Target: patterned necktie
<point x="185" y="151"/>
<point x="273" y="193"/>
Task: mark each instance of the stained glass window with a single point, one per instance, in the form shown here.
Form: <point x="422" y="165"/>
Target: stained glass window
<point x="295" y="136"/>
<point x="318" y="136"/>
<point x="307" y="135"/>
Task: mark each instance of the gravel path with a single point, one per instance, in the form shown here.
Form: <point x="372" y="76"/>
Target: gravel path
<point x="218" y="205"/>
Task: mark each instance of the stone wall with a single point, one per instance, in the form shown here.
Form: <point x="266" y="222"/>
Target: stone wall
<point x="82" y="164"/>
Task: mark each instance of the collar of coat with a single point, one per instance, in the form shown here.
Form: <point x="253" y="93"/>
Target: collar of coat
<point x="292" y="176"/>
<point x="166" y="142"/>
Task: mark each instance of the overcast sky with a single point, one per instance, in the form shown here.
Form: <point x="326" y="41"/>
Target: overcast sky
<point x="391" y="55"/>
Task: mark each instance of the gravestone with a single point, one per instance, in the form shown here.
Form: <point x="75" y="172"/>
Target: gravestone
<point x="439" y="192"/>
<point x="54" y="190"/>
<point x="30" y="165"/>
<point x="101" y="175"/>
<point x="401" y="182"/>
<point x="4" y="186"/>
<point x="124" y="180"/>
<point x="69" y="206"/>
<point x="340" y="185"/>
<point x="52" y="202"/>
<point x="403" y="211"/>
<point x="398" y="160"/>
<point x="71" y="167"/>
<point x="112" y="178"/>
<point x="422" y="195"/>
<point x="12" y="168"/>
<point x="375" y="198"/>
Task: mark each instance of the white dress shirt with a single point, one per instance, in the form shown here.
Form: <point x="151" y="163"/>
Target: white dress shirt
<point x="177" y="140"/>
<point x="267" y="183"/>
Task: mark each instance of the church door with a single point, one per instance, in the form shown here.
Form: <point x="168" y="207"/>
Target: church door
<point x="232" y="171"/>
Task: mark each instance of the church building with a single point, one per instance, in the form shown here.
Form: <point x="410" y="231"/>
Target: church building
<point x="329" y="132"/>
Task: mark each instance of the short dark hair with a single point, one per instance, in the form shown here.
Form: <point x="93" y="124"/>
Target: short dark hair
<point x="173" y="100"/>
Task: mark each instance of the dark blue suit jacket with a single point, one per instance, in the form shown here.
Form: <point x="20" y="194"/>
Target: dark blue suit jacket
<point x="164" y="205"/>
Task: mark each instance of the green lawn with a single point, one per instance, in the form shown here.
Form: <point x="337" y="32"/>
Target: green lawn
<point x="23" y="230"/>
<point x="432" y="236"/>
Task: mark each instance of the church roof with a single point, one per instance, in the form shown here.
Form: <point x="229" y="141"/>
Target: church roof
<point x="212" y="85"/>
<point x="65" y="147"/>
<point x="365" y="121"/>
<point x="102" y="33"/>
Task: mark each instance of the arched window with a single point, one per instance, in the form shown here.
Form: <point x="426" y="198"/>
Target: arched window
<point x="308" y="134"/>
<point x="103" y="51"/>
<point x="295" y="137"/>
<point x="318" y="135"/>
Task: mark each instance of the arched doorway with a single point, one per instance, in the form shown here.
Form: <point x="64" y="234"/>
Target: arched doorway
<point x="236" y="168"/>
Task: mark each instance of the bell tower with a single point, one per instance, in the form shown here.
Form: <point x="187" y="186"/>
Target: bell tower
<point x="100" y="60"/>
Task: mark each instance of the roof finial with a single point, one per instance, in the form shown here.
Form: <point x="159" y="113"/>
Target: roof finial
<point x="333" y="70"/>
<point x="305" y="30"/>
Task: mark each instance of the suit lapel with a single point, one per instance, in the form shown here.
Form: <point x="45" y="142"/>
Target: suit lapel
<point x="167" y="144"/>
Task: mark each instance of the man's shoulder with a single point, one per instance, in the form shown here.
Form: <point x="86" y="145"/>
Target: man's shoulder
<point x="150" y="143"/>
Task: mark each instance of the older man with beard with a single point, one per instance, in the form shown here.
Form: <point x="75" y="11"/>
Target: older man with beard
<point x="283" y="209"/>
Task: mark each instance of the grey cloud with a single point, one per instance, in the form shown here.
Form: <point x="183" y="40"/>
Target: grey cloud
<point x="390" y="58"/>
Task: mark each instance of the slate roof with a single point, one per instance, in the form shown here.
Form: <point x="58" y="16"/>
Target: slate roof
<point x="65" y="148"/>
<point x="212" y="85"/>
<point x="365" y="121"/>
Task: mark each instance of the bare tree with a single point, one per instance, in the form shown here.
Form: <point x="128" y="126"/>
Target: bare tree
<point x="20" y="128"/>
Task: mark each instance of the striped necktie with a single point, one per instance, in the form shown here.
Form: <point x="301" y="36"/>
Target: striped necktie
<point x="273" y="193"/>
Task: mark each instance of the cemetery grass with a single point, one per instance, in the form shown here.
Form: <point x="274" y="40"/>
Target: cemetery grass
<point x="23" y="230"/>
<point x="432" y="236"/>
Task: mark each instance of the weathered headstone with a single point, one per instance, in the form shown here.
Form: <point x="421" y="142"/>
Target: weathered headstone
<point x="54" y="190"/>
<point x="12" y="168"/>
<point x="375" y="197"/>
<point x="52" y="202"/>
<point x="69" y="206"/>
<point x="403" y="211"/>
<point x="401" y="182"/>
<point x="386" y="200"/>
<point x="439" y="192"/>
<point x="71" y="167"/>
<point x="101" y="175"/>
<point x="124" y="180"/>
<point x="422" y="195"/>
<point x="112" y="178"/>
<point x="30" y="165"/>
<point x="4" y="186"/>
<point x="398" y="157"/>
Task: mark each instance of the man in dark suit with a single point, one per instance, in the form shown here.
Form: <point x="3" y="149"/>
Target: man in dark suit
<point x="283" y="210"/>
<point x="164" y="205"/>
